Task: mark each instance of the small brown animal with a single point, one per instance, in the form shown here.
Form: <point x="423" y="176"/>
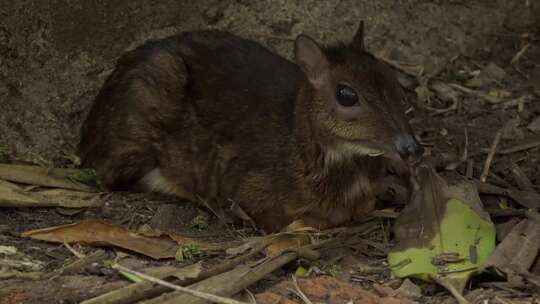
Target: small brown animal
<point x="208" y="115"/>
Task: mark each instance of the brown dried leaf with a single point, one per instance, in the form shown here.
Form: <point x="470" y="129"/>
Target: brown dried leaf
<point x="519" y="249"/>
<point x="98" y="233"/>
<point x="35" y="175"/>
<point x="293" y="237"/>
<point x="11" y="195"/>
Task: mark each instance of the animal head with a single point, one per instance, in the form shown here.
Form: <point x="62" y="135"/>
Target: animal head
<point x="355" y="101"/>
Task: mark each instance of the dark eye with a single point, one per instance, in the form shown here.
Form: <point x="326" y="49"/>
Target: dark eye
<point x="346" y="96"/>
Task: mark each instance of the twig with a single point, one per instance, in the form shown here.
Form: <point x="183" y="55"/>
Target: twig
<point x="455" y="293"/>
<point x="251" y="296"/>
<point x="502" y="300"/>
<point x="92" y="258"/>
<point x="196" y="293"/>
<point x="228" y="284"/>
<point x="144" y="290"/>
<point x="520" y="53"/>
<point x="518" y="148"/>
<point x="489" y="158"/>
<point x="466" y="148"/>
<point x="79" y="255"/>
<point x="299" y="292"/>
<point x="490" y="99"/>
<point x="522" y="147"/>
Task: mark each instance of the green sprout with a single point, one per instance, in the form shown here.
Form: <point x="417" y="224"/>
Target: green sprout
<point x="187" y="252"/>
<point x="88" y="177"/>
<point x="200" y="222"/>
<point x="334" y="270"/>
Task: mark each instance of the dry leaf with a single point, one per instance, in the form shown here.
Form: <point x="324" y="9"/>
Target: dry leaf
<point x="292" y="237"/>
<point x="519" y="249"/>
<point x="98" y="233"/>
<point x="11" y="195"/>
<point x="35" y="175"/>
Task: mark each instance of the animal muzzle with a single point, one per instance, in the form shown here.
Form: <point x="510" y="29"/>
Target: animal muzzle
<point x="408" y="148"/>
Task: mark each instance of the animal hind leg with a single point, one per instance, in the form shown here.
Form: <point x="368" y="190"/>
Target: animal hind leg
<point x="139" y="103"/>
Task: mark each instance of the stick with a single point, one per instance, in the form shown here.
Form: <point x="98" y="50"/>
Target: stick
<point x="144" y="290"/>
<point x="299" y="292"/>
<point x="491" y="153"/>
<point x="444" y="283"/>
<point x="196" y="293"/>
<point x="518" y="148"/>
<point x="225" y="284"/>
<point x="520" y="53"/>
<point x="77" y="254"/>
<point x="484" y="96"/>
<point x="522" y="147"/>
<point x="95" y="257"/>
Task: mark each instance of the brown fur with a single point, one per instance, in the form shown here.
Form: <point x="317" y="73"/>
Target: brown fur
<point x="208" y="115"/>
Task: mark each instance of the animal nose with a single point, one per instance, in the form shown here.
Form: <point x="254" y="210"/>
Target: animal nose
<point x="408" y="147"/>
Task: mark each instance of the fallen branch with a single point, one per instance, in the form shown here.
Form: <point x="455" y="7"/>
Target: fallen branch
<point x="193" y="292"/>
<point x="227" y="284"/>
<point x="224" y="285"/>
<point x="145" y="290"/>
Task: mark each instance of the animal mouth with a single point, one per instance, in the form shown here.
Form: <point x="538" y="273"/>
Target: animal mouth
<point x="375" y="149"/>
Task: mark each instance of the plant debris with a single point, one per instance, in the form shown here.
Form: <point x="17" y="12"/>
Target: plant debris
<point x="94" y="232"/>
<point x="443" y="233"/>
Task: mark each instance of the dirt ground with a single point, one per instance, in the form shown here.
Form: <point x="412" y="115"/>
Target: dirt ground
<point x="55" y="55"/>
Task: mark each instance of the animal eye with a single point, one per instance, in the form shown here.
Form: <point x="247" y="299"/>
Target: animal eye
<point x="346" y="96"/>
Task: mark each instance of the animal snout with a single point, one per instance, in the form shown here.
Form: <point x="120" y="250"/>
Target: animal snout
<point x="408" y="147"/>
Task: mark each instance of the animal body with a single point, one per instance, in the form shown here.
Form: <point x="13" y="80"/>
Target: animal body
<point x="209" y="115"/>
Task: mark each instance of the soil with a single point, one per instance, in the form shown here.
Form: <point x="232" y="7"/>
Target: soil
<point x="55" y="55"/>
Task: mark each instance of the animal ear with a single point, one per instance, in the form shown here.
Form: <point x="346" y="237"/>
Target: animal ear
<point x="358" y="39"/>
<point x="312" y="60"/>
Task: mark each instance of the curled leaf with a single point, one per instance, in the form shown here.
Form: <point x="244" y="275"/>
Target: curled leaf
<point x="443" y="233"/>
